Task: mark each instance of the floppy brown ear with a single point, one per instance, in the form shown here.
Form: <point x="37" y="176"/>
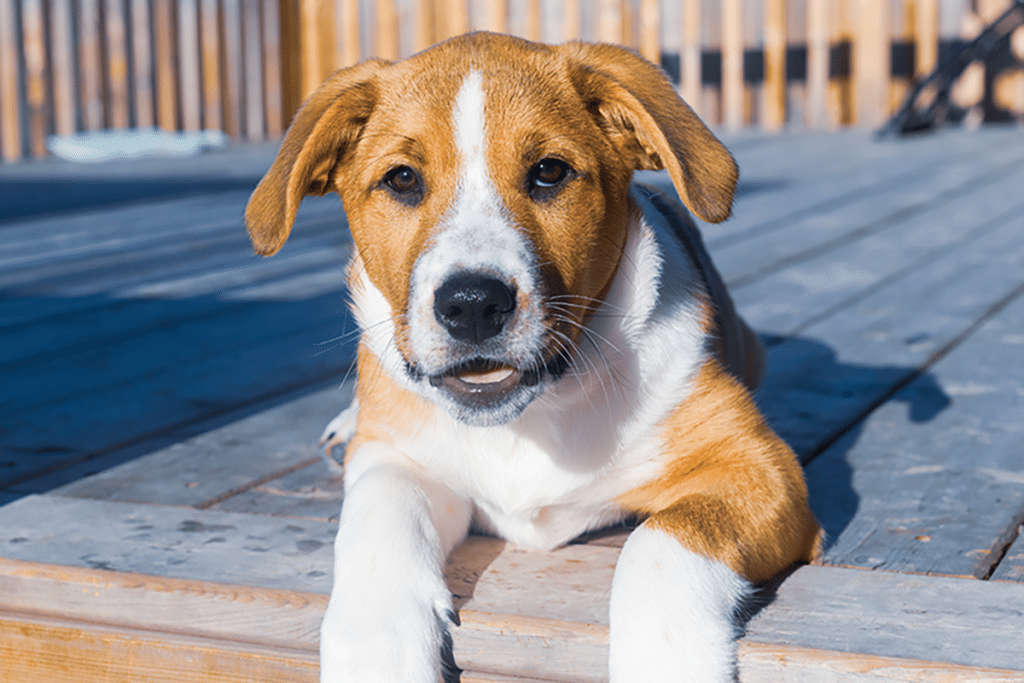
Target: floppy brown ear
<point x="323" y="130"/>
<point x="634" y="102"/>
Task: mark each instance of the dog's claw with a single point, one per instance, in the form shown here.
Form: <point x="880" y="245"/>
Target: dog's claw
<point x="453" y="616"/>
<point x="339" y="431"/>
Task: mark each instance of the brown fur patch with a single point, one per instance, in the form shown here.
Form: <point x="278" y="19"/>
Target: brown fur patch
<point x="731" y="489"/>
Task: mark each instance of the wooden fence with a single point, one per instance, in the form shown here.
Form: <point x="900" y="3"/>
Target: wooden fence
<point x="243" y="66"/>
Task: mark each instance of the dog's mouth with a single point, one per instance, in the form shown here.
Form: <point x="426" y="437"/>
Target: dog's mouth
<point x="481" y="383"/>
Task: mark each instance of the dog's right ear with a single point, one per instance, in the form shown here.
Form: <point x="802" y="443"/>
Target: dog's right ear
<point x="320" y="136"/>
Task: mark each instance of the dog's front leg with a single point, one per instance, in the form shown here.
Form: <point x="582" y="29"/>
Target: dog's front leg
<point x="672" y="613"/>
<point x="389" y="612"/>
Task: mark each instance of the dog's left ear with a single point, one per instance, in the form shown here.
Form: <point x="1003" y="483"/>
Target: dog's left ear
<point x="326" y="127"/>
<point x="636" y="105"/>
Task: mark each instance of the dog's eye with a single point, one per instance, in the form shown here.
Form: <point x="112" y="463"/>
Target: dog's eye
<point x="405" y="184"/>
<point x="545" y="177"/>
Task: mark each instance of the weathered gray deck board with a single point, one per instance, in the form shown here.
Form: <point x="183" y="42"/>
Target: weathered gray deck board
<point x="1011" y="567"/>
<point x="199" y="471"/>
<point x="943" y="495"/>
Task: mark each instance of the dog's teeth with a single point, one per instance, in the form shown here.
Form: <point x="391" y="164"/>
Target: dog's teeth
<point x="489" y="377"/>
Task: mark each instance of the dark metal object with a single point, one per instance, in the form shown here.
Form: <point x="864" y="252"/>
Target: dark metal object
<point x="910" y="118"/>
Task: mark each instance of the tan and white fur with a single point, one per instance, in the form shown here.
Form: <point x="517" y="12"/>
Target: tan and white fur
<point x="545" y="350"/>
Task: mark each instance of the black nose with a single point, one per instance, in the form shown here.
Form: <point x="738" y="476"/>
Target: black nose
<point x="473" y="307"/>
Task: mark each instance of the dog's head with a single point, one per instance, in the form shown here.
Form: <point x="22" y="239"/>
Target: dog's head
<point x="486" y="186"/>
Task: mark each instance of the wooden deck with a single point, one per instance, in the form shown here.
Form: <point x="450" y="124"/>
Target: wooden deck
<point x="168" y="518"/>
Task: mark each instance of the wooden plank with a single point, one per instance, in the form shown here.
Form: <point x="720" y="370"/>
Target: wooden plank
<point x="255" y="551"/>
<point x="40" y="650"/>
<point x="210" y="64"/>
<point x="496" y="16"/>
<point x="131" y="601"/>
<point x="189" y="65"/>
<point x="508" y="598"/>
<point x="90" y="65"/>
<point x="733" y="90"/>
<point x="926" y="36"/>
<point x="128" y="411"/>
<point x="234" y="94"/>
<point x="572" y="20"/>
<point x="650" y="30"/>
<point x="1011" y="566"/>
<point x="164" y="41"/>
<point x="252" y="55"/>
<point x="62" y="58"/>
<point x="821" y="381"/>
<point x="609" y="21"/>
<point x="117" y="62"/>
<point x="773" y="116"/>
<point x="690" y="49"/>
<point x="930" y="193"/>
<point x="273" y="94"/>
<point x="142" y="61"/>
<point x="818" y="45"/>
<point x="36" y="77"/>
<point x="961" y="513"/>
<point x="386" y="27"/>
<point x="347" y="33"/>
<point x="10" y="116"/>
<point x="229" y="459"/>
<point x="873" y="34"/>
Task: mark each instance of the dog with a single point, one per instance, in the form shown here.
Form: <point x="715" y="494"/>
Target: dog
<point x="546" y="349"/>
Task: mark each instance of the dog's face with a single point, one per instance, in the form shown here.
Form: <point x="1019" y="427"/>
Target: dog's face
<point x="486" y="187"/>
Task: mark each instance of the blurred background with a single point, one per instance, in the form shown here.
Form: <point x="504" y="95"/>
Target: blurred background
<point x="244" y="66"/>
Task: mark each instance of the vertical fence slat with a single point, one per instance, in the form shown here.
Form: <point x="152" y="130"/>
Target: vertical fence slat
<point x="423" y="20"/>
<point x="871" y="55"/>
<point x="62" y="75"/>
<point x="253" y="59"/>
<point x="497" y="16"/>
<point x="817" y="63"/>
<point x="274" y="97"/>
<point x="90" y="60"/>
<point x="142" y="63"/>
<point x="10" y="120"/>
<point x="926" y="36"/>
<point x="650" y="30"/>
<point x="609" y="21"/>
<point x="348" y="35"/>
<point x="690" y="49"/>
<point x="34" y="41"/>
<point x="117" y="63"/>
<point x="164" y="70"/>
<point x="386" y="27"/>
<point x="210" y="52"/>
<point x="733" y="95"/>
<point x="571" y="20"/>
<point x="533" y="20"/>
<point x="231" y="60"/>
<point x="773" y="115"/>
<point x="190" y="91"/>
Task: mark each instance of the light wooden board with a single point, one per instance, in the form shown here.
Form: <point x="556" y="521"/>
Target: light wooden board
<point x="523" y="613"/>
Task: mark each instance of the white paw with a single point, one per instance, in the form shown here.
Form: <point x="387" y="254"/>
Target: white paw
<point x="386" y="634"/>
<point x="339" y="431"/>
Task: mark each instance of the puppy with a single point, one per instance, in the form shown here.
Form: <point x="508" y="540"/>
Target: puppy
<point x="546" y="349"/>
